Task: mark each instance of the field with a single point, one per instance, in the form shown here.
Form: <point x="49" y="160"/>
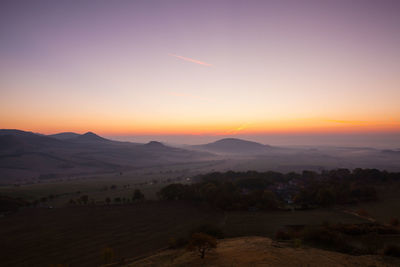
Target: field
<point x="148" y="180"/>
<point x="77" y="235"/>
<point x="387" y="207"/>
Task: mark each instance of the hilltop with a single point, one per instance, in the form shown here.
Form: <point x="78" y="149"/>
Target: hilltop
<point x="262" y="251"/>
<point x="64" y="135"/>
<point x="234" y="146"/>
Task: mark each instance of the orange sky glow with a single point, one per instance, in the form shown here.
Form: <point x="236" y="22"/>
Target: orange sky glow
<point x="250" y="67"/>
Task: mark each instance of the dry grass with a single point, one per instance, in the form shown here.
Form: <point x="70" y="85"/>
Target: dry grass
<point x="260" y="251"/>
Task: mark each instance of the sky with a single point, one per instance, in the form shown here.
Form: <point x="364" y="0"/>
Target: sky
<point x="197" y="69"/>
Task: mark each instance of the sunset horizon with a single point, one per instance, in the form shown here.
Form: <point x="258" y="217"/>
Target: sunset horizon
<point x="200" y="133"/>
<point x="209" y="68"/>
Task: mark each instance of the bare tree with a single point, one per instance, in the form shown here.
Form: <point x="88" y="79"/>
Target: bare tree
<point x="202" y="243"/>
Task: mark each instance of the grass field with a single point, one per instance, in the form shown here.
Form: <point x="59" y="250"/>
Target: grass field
<point x="93" y="185"/>
<point x="77" y="235"/>
<point x="387" y="207"/>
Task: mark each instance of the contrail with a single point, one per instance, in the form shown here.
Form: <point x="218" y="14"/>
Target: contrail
<point x="191" y="60"/>
<point x="238" y="129"/>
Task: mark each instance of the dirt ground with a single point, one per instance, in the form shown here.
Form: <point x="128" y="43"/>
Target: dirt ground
<point x="261" y="251"/>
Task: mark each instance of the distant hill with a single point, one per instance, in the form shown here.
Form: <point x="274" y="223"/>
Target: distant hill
<point x="12" y="139"/>
<point x="89" y="137"/>
<point x="64" y="136"/>
<point x="235" y="146"/>
<point x="155" y="145"/>
<point x="26" y="155"/>
<point x="9" y="141"/>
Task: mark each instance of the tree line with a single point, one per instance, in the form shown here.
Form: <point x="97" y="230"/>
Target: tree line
<point x="273" y="190"/>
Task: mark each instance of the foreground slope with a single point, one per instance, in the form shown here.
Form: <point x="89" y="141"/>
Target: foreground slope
<point x="261" y="251"/>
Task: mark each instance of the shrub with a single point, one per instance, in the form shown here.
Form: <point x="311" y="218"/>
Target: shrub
<point x="137" y="195"/>
<point x="392" y="250"/>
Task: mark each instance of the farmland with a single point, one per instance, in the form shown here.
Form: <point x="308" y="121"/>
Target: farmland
<point x="77" y="235"/>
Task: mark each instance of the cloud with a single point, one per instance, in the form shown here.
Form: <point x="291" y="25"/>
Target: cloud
<point x="191" y="60"/>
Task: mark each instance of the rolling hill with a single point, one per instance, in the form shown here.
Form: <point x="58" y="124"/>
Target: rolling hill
<point x="64" y="136"/>
<point x="25" y="156"/>
<point x="234" y="146"/>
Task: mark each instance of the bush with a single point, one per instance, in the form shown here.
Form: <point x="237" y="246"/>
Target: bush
<point x="137" y="195"/>
<point x="362" y="229"/>
<point x="392" y="250"/>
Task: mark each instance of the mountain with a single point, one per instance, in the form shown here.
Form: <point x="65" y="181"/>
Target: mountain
<point x="155" y="144"/>
<point x="12" y="139"/>
<point x="234" y="146"/>
<point x="64" y="136"/>
<point x="28" y="156"/>
<point x="71" y="136"/>
<point x="89" y="137"/>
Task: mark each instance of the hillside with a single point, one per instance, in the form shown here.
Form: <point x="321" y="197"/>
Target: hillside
<point x="262" y="251"/>
<point x="64" y="136"/>
<point x="26" y="156"/>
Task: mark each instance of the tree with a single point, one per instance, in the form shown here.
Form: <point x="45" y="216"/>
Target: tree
<point x="172" y="192"/>
<point x="325" y="197"/>
<point x="202" y="243"/>
<point x="137" y="195"/>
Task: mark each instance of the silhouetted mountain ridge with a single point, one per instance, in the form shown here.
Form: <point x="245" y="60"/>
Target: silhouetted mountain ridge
<point x="64" y="135"/>
<point x="234" y="145"/>
<point x="89" y="137"/>
<point x="155" y="144"/>
<point x="10" y="138"/>
<point x="26" y="155"/>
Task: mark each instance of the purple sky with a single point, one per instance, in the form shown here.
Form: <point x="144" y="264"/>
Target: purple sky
<point x="205" y="68"/>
